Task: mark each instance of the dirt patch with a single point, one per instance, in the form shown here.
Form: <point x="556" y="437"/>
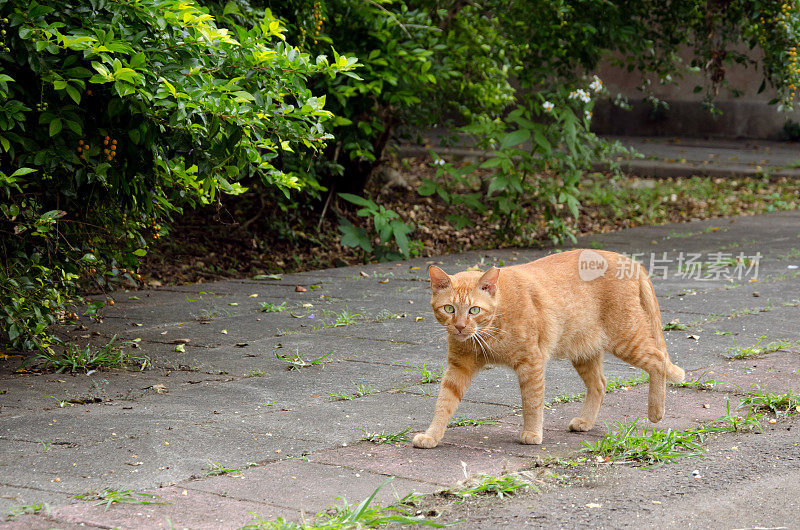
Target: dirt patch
<point x="244" y="236"/>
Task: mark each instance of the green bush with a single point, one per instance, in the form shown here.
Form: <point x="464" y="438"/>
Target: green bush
<point x="120" y="115"/>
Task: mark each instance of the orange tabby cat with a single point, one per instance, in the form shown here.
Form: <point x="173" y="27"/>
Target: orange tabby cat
<point x="575" y="305"/>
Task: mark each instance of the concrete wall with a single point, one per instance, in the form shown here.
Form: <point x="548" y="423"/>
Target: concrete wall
<point x="748" y="116"/>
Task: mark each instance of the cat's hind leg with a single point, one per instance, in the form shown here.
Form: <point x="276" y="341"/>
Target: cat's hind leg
<point x="645" y="355"/>
<point x="591" y="371"/>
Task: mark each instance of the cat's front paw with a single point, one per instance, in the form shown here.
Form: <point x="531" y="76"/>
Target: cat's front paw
<point x="530" y="438"/>
<point x="424" y="441"/>
<point x="581" y="425"/>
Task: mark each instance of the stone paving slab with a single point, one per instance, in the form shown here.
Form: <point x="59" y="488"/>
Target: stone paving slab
<point x="307" y="486"/>
<point x="441" y="466"/>
<point x="186" y="509"/>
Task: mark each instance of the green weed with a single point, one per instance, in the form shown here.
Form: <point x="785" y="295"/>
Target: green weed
<point x="76" y="359"/>
<point x="208" y="315"/>
<point x="426" y="375"/>
<point x="619" y="383"/>
<point x="344" y="318"/>
<point x="361" y="391"/>
<point x="756" y="350"/>
<point x="255" y="373"/>
<point x="733" y="422"/>
<point x="491" y="485"/>
<point x="108" y="497"/>
<point x="633" y="443"/>
<point x="674" y="325"/>
<point x="296" y="362"/>
<point x="564" y="398"/>
<point x="25" y="509"/>
<point x="267" y="307"/>
<point x="386" y="438"/>
<point x="366" y="514"/>
<point x="778" y="404"/>
<point x="462" y="421"/>
<point x="215" y="469"/>
<point x="385" y="314"/>
<point x="700" y="382"/>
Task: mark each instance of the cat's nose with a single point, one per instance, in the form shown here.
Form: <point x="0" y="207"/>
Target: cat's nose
<point x="460" y="327"/>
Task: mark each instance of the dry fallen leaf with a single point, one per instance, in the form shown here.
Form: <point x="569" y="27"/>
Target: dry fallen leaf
<point x="300" y="289"/>
<point x="254" y="295"/>
<point x="180" y="341"/>
<point x="363" y="274"/>
<point x="224" y="331"/>
<point x="383" y="281"/>
<point x="160" y="388"/>
<point x="694" y="337"/>
<point x="414" y="268"/>
<point x="594" y="505"/>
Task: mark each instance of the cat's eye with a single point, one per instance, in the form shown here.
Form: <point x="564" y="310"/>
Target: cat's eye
<point x="449" y="309"/>
<point x="474" y="310"/>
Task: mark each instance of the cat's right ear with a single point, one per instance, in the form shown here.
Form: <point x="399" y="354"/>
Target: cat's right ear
<point x="439" y="279"/>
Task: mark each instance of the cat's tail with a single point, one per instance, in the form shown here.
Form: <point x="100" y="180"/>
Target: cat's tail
<point x="649" y="302"/>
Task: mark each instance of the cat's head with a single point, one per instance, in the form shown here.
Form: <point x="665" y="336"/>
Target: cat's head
<point x="464" y="303"/>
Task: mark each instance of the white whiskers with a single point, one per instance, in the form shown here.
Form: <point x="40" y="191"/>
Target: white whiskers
<point x="481" y="338"/>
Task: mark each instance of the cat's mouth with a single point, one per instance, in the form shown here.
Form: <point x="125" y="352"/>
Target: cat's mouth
<point x="462" y="336"/>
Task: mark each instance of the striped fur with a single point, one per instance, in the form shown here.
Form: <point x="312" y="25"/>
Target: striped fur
<point x="540" y="310"/>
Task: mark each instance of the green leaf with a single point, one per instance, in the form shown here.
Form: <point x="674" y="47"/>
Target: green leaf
<point x="492" y="162"/>
<point x="55" y="126"/>
<point x="140" y="252"/>
<point x="515" y="138"/>
<point x="359" y="201"/>
<point x="73" y="93"/>
<point x="23" y="171"/>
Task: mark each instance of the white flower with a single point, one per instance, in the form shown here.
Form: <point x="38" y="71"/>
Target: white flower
<point x="580" y="94"/>
<point x="596" y="84"/>
<point x="547" y="106"/>
<point x="588" y="114"/>
<point x="439" y="162"/>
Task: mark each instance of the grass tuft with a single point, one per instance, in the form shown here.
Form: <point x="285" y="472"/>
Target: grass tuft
<point x="426" y="375"/>
<point x="756" y="350"/>
<point x="462" y="421"/>
<point x="369" y="513"/>
<point x="267" y="307"/>
<point x="629" y="442"/>
<point x="25" y="509"/>
<point x="108" y="497"/>
<point x="361" y="391"/>
<point x="216" y="469"/>
<point x="778" y="404"/>
<point x="490" y="485"/>
<point x="75" y="359"/>
<point x="564" y="398"/>
<point x="700" y="382"/>
<point x="674" y="325"/>
<point x="386" y="438"/>
<point x="296" y="362"/>
<point x="619" y="383"/>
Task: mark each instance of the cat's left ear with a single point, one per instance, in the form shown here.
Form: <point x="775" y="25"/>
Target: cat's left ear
<point x="488" y="281"/>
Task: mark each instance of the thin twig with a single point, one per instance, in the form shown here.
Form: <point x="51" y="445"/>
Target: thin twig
<point x="392" y="16"/>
